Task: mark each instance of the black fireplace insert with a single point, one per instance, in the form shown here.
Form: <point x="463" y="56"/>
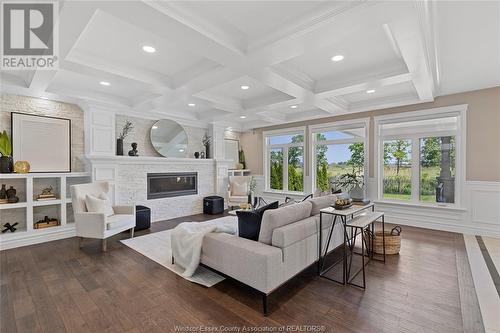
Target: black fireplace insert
<point x="172" y="184"/>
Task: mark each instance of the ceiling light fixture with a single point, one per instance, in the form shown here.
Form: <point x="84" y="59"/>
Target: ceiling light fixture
<point x="191" y="104"/>
<point x="371" y="91"/>
<point x="244" y="87"/>
<point x="243" y="117"/>
<point x="293" y="107"/>
<point x="155" y="127"/>
<point x="338" y="57"/>
<point x="104" y="83"/>
<point x="148" y="49"/>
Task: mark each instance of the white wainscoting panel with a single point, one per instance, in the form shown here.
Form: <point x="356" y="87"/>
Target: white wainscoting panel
<point x="483" y="199"/>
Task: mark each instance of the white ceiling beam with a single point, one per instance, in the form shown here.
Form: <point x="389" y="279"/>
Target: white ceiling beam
<point x="221" y="103"/>
<point x="91" y="96"/>
<point x="412" y="48"/>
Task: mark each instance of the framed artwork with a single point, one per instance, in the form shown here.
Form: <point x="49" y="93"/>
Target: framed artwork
<point x="231" y="151"/>
<point x="45" y="142"/>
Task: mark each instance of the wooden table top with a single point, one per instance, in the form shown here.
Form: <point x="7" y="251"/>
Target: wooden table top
<point x="348" y="211"/>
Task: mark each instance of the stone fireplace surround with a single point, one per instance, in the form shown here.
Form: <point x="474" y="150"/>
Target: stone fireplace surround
<point x="128" y="179"/>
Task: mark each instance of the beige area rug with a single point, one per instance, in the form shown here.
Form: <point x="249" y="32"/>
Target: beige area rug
<point x="157" y="247"/>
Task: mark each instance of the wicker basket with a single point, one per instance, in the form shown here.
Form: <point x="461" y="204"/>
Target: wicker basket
<point x="392" y="241"/>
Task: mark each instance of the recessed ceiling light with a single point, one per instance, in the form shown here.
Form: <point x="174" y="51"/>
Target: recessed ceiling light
<point x="181" y="150"/>
<point x="191" y="104"/>
<point x="371" y="91"/>
<point x="104" y="83"/>
<point x="44" y="97"/>
<point x="148" y="49"/>
<point x="293" y="107"/>
<point x="155" y="127"/>
<point x="243" y="117"/>
<point x="244" y="87"/>
<point x="338" y="57"/>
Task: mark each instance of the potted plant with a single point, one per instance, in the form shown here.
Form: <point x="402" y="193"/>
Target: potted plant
<point x="206" y="142"/>
<point x="352" y="183"/>
<point x="241" y="157"/>
<point x="252" y="186"/>
<point x="127" y="128"/>
<point x="6" y="161"/>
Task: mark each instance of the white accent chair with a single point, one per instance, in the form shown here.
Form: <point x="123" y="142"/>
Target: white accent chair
<point x="98" y="225"/>
<point x="238" y="189"/>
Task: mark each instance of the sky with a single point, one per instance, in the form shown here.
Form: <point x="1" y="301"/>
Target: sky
<point x="335" y="153"/>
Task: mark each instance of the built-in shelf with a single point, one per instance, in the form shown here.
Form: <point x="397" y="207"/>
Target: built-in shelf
<point x="33" y="210"/>
<point x="37" y="203"/>
<point x="13" y="205"/>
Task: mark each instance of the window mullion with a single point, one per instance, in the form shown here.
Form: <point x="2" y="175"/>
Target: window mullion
<point x="285" y="169"/>
<point x="415" y="169"/>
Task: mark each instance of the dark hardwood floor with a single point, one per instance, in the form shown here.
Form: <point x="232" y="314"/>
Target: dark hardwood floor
<point x="56" y="287"/>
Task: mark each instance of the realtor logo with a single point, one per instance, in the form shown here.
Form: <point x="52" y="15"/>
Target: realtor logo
<point x="29" y="38"/>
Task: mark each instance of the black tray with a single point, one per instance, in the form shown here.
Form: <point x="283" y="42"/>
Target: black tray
<point x="342" y="207"/>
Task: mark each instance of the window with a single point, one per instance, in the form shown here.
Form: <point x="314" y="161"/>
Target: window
<point x="419" y="156"/>
<point x="284" y="160"/>
<point x="338" y="149"/>
<point x="397" y="169"/>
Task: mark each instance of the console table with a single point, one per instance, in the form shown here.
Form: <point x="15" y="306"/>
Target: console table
<point x="342" y="215"/>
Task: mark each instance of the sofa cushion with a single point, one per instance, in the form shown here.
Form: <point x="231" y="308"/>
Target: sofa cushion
<point x="298" y="231"/>
<point x="249" y="221"/>
<point x="275" y="218"/>
<point x="321" y="202"/>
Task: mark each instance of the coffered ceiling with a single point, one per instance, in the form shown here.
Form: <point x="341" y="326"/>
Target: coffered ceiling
<point x="249" y="64"/>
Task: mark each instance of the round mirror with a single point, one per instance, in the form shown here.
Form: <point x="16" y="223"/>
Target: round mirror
<point x="169" y="138"/>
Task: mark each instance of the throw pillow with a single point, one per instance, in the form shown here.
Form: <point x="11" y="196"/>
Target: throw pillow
<point x="239" y="188"/>
<point x="108" y="208"/>
<point x="94" y="204"/>
<point x="249" y="221"/>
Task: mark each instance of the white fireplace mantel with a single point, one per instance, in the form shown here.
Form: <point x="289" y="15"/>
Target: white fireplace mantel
<point x="150" y="160"/>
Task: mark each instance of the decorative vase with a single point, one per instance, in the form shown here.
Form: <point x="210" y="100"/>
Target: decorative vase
<point x="21" y="167"/>
<point x="196" y="155"/>
<point x="250" y="198"/>
<point x="11" y="195"/>
<point x="356" y="193"/>
<point x="119" y="147"/>
<point x="3" y="193"/>
<point x="207" y="150"/>
<point x="6" y="164"/>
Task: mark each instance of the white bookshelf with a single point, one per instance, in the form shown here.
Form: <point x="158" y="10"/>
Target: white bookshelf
<point x="239" y="172"/>
<point x="28" y="210"/>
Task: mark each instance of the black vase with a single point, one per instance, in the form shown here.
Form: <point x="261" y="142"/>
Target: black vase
<point x="6" y="164"/>
<point x="207" y="150"/>
<point x="119" y="147"/>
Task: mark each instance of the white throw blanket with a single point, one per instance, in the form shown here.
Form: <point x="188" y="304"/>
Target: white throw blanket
<point x="187" y="239"/>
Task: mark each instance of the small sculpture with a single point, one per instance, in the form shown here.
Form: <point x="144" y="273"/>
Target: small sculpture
<point x="11" y="195"/>
<point x="47" y="194"/>
<point x="202" y="154"/>
<point x="9" y="227"/>
<point x="22" y="167"/>
<point x="134" y="151"/>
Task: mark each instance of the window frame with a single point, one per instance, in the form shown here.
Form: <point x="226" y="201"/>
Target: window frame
<point x="267" y="151"/>
<point x="458" y="111"/>
<point x="336" y="126"/>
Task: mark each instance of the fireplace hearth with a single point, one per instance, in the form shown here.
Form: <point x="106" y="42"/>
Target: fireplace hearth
<point x="172" y="184"/>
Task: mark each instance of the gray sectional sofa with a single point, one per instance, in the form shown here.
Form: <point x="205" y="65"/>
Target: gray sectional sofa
<point x="287" y="244"/>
